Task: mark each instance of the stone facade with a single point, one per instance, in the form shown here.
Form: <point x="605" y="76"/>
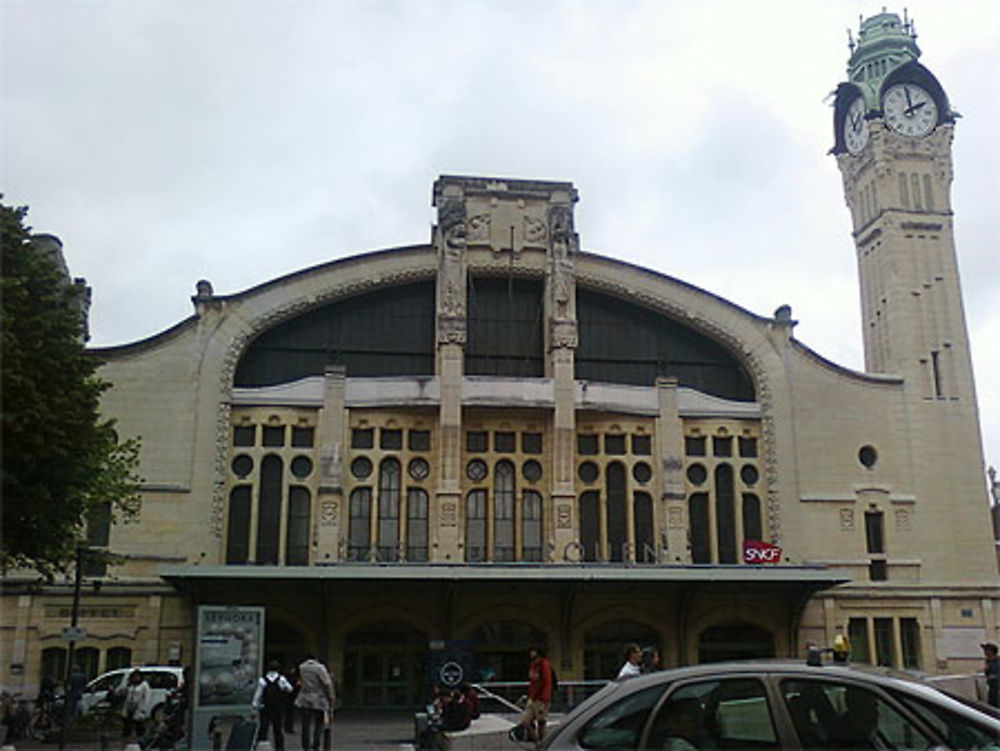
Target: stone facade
<point x="372" y="514"/>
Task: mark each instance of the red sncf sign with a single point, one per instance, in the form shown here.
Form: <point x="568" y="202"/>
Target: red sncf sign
<point x="755" y="551"/>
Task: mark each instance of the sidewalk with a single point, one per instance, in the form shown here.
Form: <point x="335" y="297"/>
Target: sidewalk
<point x="365" y="731"/>
<point x="352" y="731"/>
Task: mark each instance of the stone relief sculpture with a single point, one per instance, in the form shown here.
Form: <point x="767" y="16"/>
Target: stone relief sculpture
<point x="451" y="272"/>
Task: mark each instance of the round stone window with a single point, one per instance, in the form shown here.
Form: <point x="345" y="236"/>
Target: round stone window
<point x="476" y="470"/>
<point x="361" y="467"/>
<point x="749" y="474"/>
<point x="242" y="465"/>
<point x="532" y="471"/>
<point x="302" y="466"/>
<point x="588" y="472"/>
<point x="697" y="474"/>
<point x="418" y="469"/>
<point x="642" y="472"/>
<point x="867" y="455"/>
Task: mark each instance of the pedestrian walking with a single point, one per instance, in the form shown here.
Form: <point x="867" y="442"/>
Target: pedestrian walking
<point x="314" y="702"/>
<point x="633" y="660"/>
<point x="536" y="710"/>
<point x="270" y="700"/>
<point x="991" y="669"/>
<point x="135" y="710"/>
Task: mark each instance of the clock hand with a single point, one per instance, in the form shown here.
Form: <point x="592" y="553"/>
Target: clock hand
<point x="909" y="102"/>
<point x="910" y="110"/>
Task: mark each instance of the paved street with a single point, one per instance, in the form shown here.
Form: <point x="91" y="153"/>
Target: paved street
<point x="365" y="731"/>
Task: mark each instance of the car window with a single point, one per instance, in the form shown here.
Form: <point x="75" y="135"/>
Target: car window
<point x="729" y="713"/>
<point x="160" y="679"/>
<point x="830" y="714"/>
<point x="620" y="725"/>
<point x="956" y="731"/>
<point x="105" y="683"/>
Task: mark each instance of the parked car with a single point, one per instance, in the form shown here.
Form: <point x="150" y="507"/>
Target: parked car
<point x="774" y="705"/>
<point x="107" y="690"/>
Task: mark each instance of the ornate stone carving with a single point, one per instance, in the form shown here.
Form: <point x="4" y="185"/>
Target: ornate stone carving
<point x="451" y="273"/>
<point x="902" y="520"/>
<point x="478" y="228"/>
<point x="328" y="513"/>
<point x="563" y="334"/>
<point x="846" y="520"/>
<point x="564" y="516"/>
<point x="449" y="514"/>
<point x="534" y="231"/>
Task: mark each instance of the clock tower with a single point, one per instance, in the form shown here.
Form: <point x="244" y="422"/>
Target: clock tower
<point x="893" y="129"/>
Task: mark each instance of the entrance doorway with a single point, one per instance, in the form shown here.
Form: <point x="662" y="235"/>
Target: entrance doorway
<point x="735" y="641"/>
<point x="604" y="647"/>
<point x="385" y="667"/>
<point x="502" y="649"/>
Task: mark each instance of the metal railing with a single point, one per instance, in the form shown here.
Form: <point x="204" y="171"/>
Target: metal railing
<point x="508" y="696"/>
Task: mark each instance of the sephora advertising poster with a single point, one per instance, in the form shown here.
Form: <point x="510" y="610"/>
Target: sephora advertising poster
<point x="230" y="654"/>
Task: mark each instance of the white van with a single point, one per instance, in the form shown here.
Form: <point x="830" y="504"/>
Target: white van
<point x="162" y="679"/>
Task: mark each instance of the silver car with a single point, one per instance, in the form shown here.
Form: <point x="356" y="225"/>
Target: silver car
<point x="774" y="705"/>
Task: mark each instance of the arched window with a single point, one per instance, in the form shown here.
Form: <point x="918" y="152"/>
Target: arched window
<point x="725" y="513"/>
<point x="645" y="544"/>
<point x="87" y="659"/>
<point x="269" y="511"/>
<point x="753" y="529"/>
<point x="590" y="525"/>
<point x="238" y="533"/>
<point x="416" y="524"/>
<point x="297" y="536"/>
<point x="118" y="657"/>
<point x="503" y="512"/>
<point x="531" y="526"/>
<point x="701" y="546"/>
<point x="388" y="509"/>
<point x="360" y="524"/>
<point x="475" y="526"/>
<point x="617" y="518"/>
<point x="54" y="663"/>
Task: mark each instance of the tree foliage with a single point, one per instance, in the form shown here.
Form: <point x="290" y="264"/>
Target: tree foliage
<point x="61" y="459"/>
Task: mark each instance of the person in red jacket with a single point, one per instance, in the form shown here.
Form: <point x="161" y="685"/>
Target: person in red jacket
<point x="536" y="711"/>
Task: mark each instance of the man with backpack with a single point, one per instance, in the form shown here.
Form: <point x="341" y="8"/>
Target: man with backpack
<point x="270" y="700"/>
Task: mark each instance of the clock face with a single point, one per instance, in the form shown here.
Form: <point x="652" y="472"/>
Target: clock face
<point x="855" y="126"/>
<point x="909" y="110"/>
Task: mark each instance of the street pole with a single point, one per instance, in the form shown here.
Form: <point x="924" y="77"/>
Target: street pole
<point x="68" y="712"/>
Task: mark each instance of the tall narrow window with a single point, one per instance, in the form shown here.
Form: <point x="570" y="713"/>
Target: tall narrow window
<point x="701" y="550"/>
<point x="617" y="521"/>
<point x="883" y="643"/>
<point x="503" y="511"/>
<point x="297" y="536"/>
<point x="475" y="526"/>
<point x="531" y="526"/>
<point x="238" y="532"/>
<point x="590" y="525"/>
<point x="915" y="190"/>
<point x="416" y="525"/>
<point x="904" y="190"/>
<point x="269" y="511"/>
<point x="928" y="197"/>
<point x="725" y="513"/>
<point x="98" y="536"/>
<point x="875" y="531"/>
<point x="118" y="657"/>
<point x="645" y="545"/>
<point x="857" y="634"/>
<point x="360" y="524"/>
<point x="936" y="372"/>
<point x="909" y="633"/>
<point x="753" y="528"/>
<point x="388" y="509"/>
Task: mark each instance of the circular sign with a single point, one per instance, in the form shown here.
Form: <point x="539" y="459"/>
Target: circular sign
<point x="451" y="674"/>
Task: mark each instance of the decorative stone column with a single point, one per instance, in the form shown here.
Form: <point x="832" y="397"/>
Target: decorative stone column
<point x="450" y="238"/>
<point x="329" y="527"/>
<point x="562" y="335"/>
<point x="670" y="440"/>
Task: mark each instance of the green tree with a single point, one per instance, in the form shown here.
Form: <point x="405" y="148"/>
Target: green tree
<point x="62" y="462"/>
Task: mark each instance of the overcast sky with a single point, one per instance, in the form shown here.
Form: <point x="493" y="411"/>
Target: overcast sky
<point x="166" y="141"/>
